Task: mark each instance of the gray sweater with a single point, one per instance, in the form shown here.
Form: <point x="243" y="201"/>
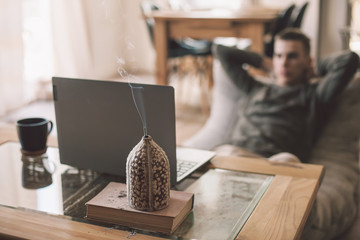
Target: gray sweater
<point x="273" y="119"/>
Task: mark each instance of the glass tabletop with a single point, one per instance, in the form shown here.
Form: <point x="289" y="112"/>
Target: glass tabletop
<point x="223" y="202"/>
<point x="223" y="199"/>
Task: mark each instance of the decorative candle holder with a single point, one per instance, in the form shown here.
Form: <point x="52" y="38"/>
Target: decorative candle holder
<point x="148" y="176"/>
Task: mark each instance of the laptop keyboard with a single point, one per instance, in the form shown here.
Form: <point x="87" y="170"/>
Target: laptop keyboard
<point x="183" y="167"/>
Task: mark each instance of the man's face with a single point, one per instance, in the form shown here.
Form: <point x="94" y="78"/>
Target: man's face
<point x="291" y="63"/>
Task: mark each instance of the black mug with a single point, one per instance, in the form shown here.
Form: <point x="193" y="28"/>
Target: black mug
<point x="33" y="133"/>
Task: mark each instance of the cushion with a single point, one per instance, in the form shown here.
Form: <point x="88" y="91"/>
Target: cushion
<point x="336" y="205"/>
<point x="222" y="118"/>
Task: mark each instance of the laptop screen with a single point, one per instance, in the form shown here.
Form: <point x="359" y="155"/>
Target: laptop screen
<point x="98" y="124"/>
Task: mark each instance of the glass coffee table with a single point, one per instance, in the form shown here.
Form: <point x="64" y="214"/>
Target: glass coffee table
<point x="225" y="199"/>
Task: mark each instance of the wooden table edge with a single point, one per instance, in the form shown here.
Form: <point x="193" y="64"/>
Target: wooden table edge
<point x="28" y="224"/>
<point x="292" y="175"/>
<point x="261" y="165"/>
<point x="307" y="172"/>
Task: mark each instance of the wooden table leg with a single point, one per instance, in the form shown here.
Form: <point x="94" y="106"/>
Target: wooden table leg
<point x="254" y="31"/>
<point x="161" y="46"/>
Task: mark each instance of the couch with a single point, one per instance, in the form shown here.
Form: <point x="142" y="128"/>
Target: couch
<point x="336" y="207"/>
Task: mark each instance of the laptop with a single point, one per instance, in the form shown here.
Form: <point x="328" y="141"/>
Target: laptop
<point x="98" y="125"/>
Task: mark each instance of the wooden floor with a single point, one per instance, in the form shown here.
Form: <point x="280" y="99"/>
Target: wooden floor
<point x="190" y="116"/>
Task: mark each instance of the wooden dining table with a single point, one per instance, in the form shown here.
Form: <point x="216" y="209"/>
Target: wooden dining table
<point x="207" y="24"/>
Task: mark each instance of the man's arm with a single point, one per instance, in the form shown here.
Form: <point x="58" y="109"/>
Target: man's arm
<point x="233" y="61"/>
<point x="337" y="70"/>
<point x="267" y="65"/>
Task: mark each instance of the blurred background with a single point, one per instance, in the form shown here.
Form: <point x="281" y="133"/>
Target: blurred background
<point x="96" y="39"/>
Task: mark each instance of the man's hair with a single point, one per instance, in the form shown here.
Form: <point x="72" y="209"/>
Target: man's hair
<point x="294" y="34"/>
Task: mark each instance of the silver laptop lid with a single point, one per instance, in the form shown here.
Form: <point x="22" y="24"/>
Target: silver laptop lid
<point x="98" y="124"/>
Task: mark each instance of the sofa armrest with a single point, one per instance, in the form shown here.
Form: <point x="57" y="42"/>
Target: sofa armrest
<point x="223" y="115"/>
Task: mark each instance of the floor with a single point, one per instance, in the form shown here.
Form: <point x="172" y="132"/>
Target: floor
<point x="189" y="113"/>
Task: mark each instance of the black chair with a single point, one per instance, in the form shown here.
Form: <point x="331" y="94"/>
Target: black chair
<point x="281" y="23"/>
<point x="297" y="16"/>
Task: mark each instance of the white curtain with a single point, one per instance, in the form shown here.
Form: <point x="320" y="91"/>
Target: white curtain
<point x="93" y="39"/>
<point x="68" y="38"/>
<point x="11" y="56"/>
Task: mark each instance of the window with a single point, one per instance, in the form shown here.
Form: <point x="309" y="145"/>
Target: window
<point x="354" y="35"/>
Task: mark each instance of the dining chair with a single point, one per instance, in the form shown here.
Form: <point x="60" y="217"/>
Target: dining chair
<point x="298" y="15"/>
<point x="280" y="24"/>
<point x="186" y="56"/>
<point x="176" y="47"/>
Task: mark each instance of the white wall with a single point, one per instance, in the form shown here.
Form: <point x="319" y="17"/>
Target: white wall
<point x="333" y="17"/>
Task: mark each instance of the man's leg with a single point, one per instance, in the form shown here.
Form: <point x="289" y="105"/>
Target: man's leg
<point x="284" y="157"/>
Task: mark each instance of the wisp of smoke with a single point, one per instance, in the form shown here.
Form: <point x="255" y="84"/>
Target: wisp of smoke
<point x="137" y="93"/>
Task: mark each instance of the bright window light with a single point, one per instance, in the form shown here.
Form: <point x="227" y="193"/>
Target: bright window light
<point x="38" y="54"/>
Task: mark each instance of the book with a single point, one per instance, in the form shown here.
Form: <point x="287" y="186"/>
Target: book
<point x="111" y="206"/>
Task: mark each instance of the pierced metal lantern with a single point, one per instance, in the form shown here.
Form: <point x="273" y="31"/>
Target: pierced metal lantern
<point x="148" y="176"/>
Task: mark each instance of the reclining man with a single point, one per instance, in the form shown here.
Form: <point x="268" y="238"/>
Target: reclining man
<point x="282" y="119"/>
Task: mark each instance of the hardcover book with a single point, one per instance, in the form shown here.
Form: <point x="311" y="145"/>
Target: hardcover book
<point x="111" y="206"/>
